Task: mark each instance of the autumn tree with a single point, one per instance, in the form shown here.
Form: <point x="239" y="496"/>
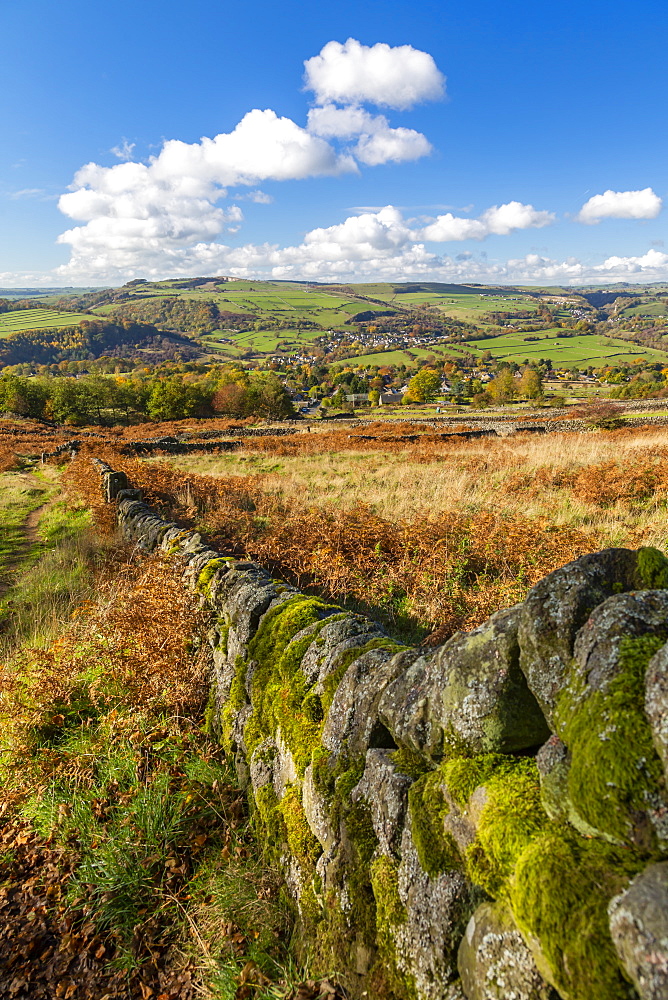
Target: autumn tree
<point x="531" y="384"/>
<point x="424" y="386"/>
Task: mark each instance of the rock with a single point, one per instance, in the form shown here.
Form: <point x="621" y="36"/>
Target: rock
<point x="470" y="693"/>
<point x="552" y="761"/>
<point x="639" y="928"/>
<point x="345" y="632"/>
<point x="436" y="914"/>
<point x="615" y="784"/>
<point x="557" y="608"/>
<point x="352" y="724"/>
<point x="317" y="809"/>
<point x="261" y="766"/>
<point x="656" y="703"/>
<point x="384" y="790"/>
<point x="494" y="961"/>
<point x="626" y="616"/>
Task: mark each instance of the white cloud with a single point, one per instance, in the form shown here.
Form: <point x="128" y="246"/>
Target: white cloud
<point x="394" y="76"/>
<point x="124" y="150"/>
<point x="134" y="210"/>
<point x="643" y="204"/>
<point x="361" y="235"/>
<point x="653" y="262"/>
<point x="377" y="142"/>
<point x="259" y="197"/>
<point x="392" y="144"/>
<point x="344" y="123"/>
<point x="133" y="215"/>
<point x="498" y="220"/>
<point x="26" y="193"/>
<point x="377" y="245"/>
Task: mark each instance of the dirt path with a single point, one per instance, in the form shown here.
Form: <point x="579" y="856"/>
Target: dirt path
<point x="30" y="532"/>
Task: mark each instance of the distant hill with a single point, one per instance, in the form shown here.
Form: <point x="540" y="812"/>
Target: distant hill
<point x="221" y="317"/>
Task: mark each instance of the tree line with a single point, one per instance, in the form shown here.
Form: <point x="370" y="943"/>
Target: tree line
<point x="96" y="399"/>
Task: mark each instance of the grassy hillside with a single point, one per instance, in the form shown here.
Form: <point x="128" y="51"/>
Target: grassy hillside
<point x="589" y="349"/>
<point x="38" y="319"/>
<point x="387" y="323"/>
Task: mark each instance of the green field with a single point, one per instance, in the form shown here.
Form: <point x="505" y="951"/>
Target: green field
<point x="37" y="319"/>
<point x="585" y="350"/>
<point x="466" y="306"/>
<point x="286" y="303"/>
<point x="652" y="309"/>
<point x="260" y="341"/>
<point x="407" y="357"/>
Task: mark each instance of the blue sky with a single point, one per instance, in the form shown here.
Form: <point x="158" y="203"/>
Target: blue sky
<point x="499" y="142"/>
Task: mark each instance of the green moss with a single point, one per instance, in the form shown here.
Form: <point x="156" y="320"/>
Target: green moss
<point x="209" y="723"/>
<point x="223" y="633"/>
<point x="411" y="763"/>
<point x="510" y="816"/>
<point x="390" y="913"/>
<point x="437" y="850"/>
<point x="269" y="822"/>
<point x="361" y="832"/>
<point x="652" y="568"/>
<point x="303" y="845"/>
<point x="463" y="774"/>
<point x="615" y="772"/>
<point x="281" y="696"/>
<point x="559" y="894"/>
<point x="235" y="701"/>
<point x="510" y="819"/>
<point x="323" y="775"/>
<point x="207" y="574"/>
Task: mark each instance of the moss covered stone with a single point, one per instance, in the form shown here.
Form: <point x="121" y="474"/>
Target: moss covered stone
<point x="303" y="845"/>
<point x="390" y="913"/>
<point x="615" y="775"/>
<point x="559" y="893"/>
<point x="511" y="817"/>
<point x="411" y="763"/>
<point x="652" y="569"/>
<point x="436" y="848"/>
<point x="205" y="577"/>
<point x="280" y="694"/>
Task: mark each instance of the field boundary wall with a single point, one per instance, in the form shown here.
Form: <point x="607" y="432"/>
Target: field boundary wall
<point x="485" y="819"/>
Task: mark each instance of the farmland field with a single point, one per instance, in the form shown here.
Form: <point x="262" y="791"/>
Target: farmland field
<point x="646" y="309"/>
<point x="279" y="302"/>
<point x="588" y="349"/>
<point x="37" y="319"/>
<point x="406" y="357"/>
<point x="467" y="307"/>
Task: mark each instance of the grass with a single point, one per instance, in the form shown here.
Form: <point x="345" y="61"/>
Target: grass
<point x="285" y="302"/>
<point x="37" y="319"/>
<point x="471" y="475"/>
<point x="21" y="492"/>
<point x="47" y="565"/>
<point x="149" y="876"/>
<point x="406" y="357"/>
<point x="465" y="306"/>
<point x="588" y="349"/>
<point x="427" y="536"/>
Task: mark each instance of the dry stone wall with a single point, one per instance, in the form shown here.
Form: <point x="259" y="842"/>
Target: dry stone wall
<point x="484" y="820"/>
